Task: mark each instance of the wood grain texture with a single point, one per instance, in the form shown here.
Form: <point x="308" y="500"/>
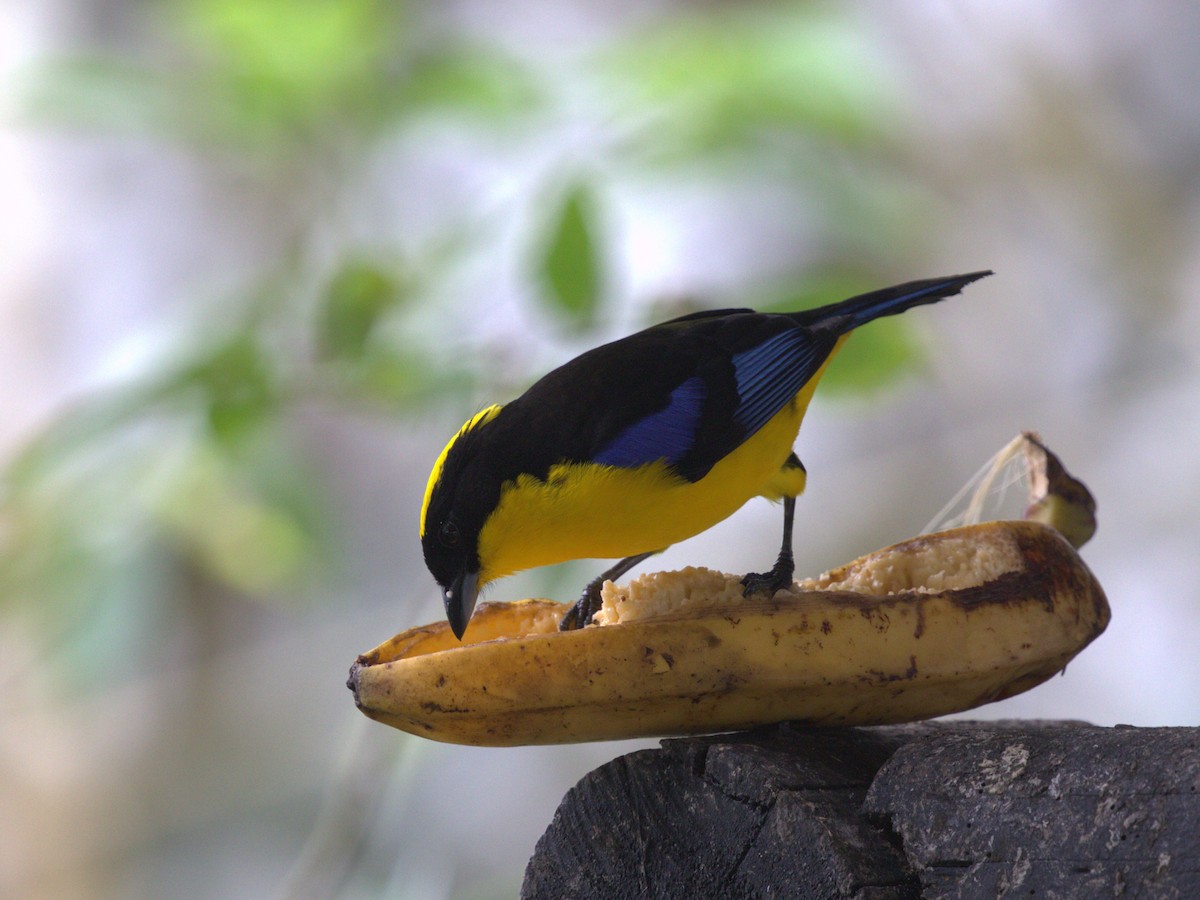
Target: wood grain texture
<point x="1060" y="809"/>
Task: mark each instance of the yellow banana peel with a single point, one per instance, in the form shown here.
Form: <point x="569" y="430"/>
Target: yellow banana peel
<point x="937" y="624"/>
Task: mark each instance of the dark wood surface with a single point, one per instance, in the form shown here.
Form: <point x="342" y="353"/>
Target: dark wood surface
<point x="966" y="809"/>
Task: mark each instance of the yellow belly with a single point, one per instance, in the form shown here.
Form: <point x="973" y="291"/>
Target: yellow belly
<point x="585" y="511"/>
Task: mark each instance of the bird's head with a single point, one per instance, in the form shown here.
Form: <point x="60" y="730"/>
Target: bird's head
<point x="458" y="499"/>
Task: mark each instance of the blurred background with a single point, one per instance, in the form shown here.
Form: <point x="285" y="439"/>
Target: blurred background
<point x="260" y="258"/>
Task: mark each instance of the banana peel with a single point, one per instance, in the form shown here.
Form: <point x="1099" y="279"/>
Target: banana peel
<point x="937" y="624"/>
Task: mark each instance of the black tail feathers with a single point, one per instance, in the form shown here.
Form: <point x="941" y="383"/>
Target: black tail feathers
<point x="849" y="314"/>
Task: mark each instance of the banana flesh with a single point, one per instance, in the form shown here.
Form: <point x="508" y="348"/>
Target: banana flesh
<point x="938" y="624"/>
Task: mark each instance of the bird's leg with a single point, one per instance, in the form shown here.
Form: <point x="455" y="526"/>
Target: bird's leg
<point x="589" y="602"/>
<point x="785" y="566"/>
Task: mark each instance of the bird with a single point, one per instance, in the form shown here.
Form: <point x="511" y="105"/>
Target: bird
<point x="638" y="444"/>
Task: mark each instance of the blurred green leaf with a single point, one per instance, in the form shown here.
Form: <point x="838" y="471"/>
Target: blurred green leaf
<point x="717" y="83"/>
<point x="261" y="74"/>
<point x="818" y="286"/>
<point x="569" y="265"/>
<point x="468" y="78"/>
<point x="272" y="77"/>
<point x="872" y="358"/>
<point x="239" y="387"/>
<point x="88" y="531"/>
<point x="226" y="522"/>
<point x="357" y="298"/>
<point x="312" y="46"/>
<point x="278" y="66"/>
<point x="403" y="378"/>
<point x="98" y="92"/>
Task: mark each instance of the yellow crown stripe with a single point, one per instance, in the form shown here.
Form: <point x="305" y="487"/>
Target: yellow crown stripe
<point x="480" y="418"/>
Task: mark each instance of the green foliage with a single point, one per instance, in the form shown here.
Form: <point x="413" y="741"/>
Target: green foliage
<point x="357" y="298"/>
<point x="570" y="264"/>
<point x="192" y="459"/>
<point x="294" y="100"/>
<point x="275" y="65"/>
<point x="872" y="358"/>
<point x="103" y="93"/>
<point x="250" y="523"/>
<point x="282" y="77"/>
<point x="196" y="454"/>
<point x="717" y="84"/>
<point x="398" y="378"/>
<point x="470" y="79"/>
<point x="237" y="385"/>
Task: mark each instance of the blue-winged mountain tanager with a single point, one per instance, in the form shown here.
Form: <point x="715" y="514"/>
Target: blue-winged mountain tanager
<point x="638" y="444"/>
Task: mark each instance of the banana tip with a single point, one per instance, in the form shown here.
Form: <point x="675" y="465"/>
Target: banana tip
<point x="352" y="680"/>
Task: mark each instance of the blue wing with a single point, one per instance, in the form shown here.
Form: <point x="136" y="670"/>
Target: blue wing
<point x="769" y="375"/>
<point x="766" y="377"/>
<point x="667" y="434"/>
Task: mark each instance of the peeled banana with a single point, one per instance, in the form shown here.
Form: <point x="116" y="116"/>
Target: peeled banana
<point x="939" y="623"/>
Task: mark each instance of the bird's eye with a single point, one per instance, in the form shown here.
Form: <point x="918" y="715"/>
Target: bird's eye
<point x="448" y="534"/>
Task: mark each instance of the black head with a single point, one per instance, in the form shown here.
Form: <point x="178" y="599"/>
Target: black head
<point x="462" y="492"/>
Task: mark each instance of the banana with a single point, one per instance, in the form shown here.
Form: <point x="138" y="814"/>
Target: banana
<point x="937" y="624"/>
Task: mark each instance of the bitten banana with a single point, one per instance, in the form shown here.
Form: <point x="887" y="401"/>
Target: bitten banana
<point x="936" y="624"/>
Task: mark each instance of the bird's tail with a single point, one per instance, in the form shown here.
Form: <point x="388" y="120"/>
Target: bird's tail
<point x="849" y="314"/>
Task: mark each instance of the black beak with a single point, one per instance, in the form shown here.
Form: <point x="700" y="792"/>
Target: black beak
<point x="460" y="599"/>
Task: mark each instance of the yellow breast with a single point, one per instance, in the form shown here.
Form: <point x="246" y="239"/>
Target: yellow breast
<point x="584" y="510"/>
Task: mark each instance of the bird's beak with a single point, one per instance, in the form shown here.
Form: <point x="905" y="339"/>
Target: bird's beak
<point x="460" y="600"/>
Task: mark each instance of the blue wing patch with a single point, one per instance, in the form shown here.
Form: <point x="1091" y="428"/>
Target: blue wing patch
<point x="667" y="434"/>
<point x="771" y="374"/>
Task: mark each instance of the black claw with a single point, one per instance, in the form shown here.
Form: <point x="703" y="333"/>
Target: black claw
<point x="768" y="583"/>
<point x="581" y="613"/>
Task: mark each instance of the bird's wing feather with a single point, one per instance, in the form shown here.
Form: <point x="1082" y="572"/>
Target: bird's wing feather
<point x="742" y="375"/>
<point x="667" y="434"/>
<point x="770" y="374"/>
<point x="706" y="314"/>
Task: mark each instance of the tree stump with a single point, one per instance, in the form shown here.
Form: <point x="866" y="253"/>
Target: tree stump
<point x="963" y="809"/>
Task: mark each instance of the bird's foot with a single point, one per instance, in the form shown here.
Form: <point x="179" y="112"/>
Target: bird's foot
<point x="587" y="606"/>
<point x="768" y="583"/>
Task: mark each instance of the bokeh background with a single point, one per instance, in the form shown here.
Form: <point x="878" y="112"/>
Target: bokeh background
<point x="261" y="257"/>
